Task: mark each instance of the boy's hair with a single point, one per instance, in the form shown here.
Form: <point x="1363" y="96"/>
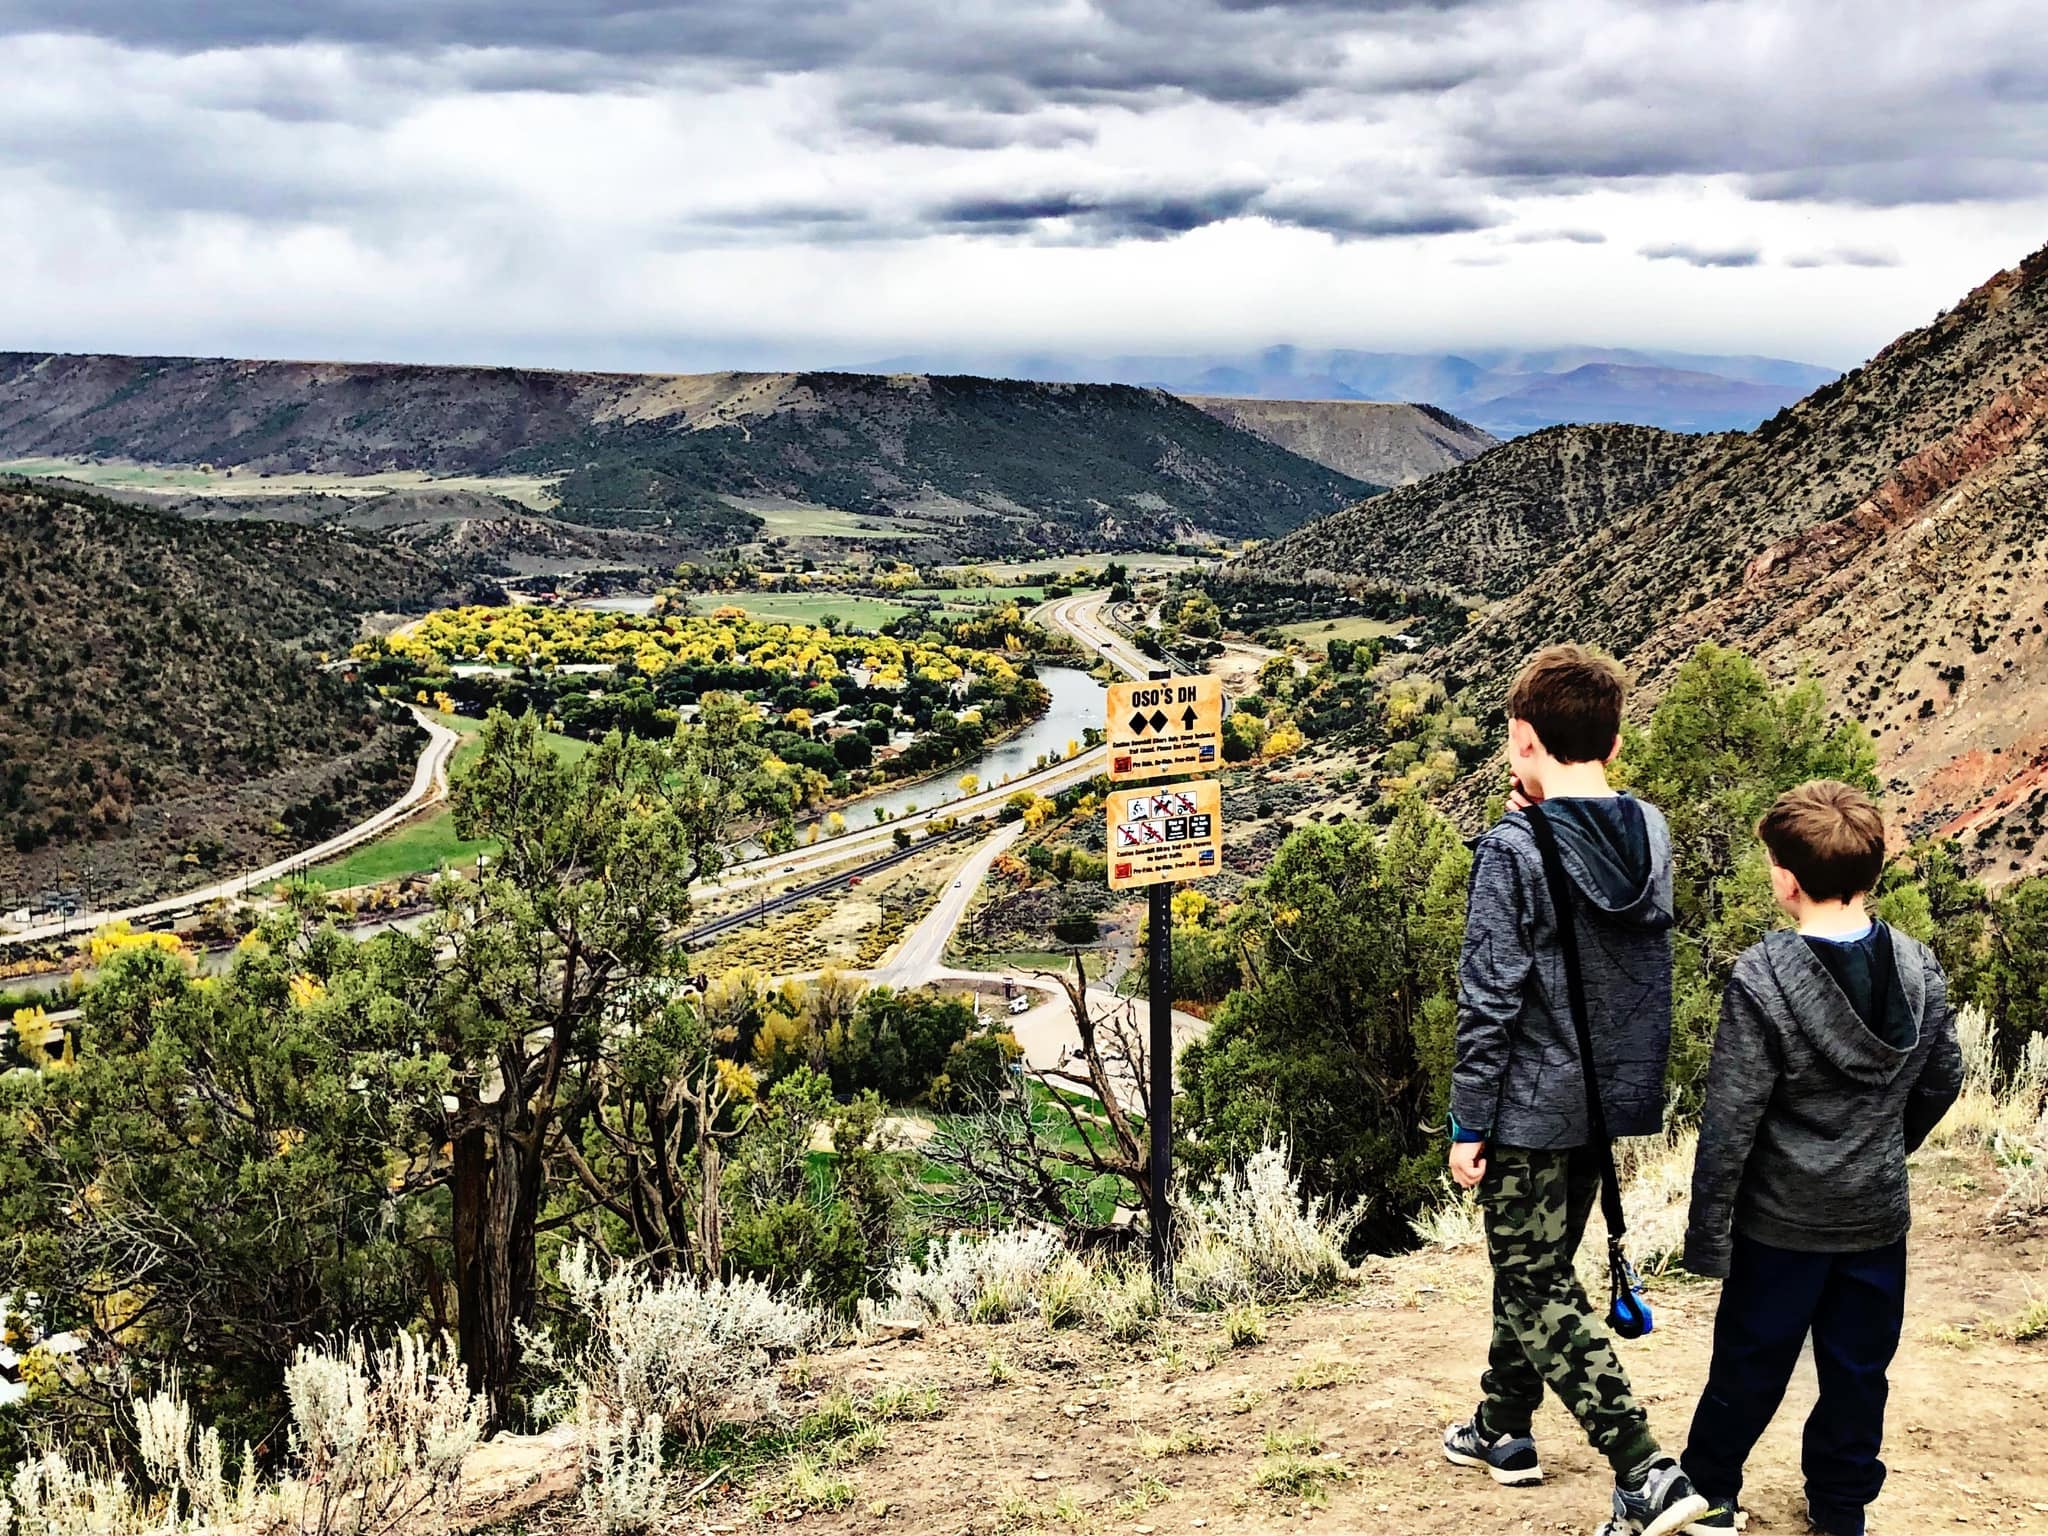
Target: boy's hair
<point x="1572" y="699"/>
<point x="1830" y="835"/>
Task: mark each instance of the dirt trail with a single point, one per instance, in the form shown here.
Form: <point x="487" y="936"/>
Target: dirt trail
<point x="1371" y="1379"/>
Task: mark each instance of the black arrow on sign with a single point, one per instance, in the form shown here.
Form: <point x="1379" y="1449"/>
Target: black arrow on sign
<point x="1188" y="718"/>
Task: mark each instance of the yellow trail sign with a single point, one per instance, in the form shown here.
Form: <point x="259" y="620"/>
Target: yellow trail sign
<point x="1169" y="832"/>
<point x="1171" y="726"/>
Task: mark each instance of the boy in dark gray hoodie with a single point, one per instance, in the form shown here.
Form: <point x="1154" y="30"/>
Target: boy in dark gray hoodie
<point x="1836" y="1056"/>
<point x="1523" y="1132"/>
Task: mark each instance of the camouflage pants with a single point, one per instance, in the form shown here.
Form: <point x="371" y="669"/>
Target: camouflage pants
<point x="1544" y="1327"/>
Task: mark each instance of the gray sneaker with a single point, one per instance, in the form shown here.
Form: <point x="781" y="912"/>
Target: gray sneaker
<point x="1509" y="1460"/>
<point x="1664" y="1505"/>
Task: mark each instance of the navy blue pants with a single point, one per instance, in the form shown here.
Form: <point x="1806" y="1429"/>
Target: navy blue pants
<point x="1852" y="1304"/>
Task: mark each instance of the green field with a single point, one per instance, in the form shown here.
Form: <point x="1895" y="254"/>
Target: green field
<point x="853" y="611"/>
<point x="1060" y="963"/>
<point x="529" y="490"/>
<point x="425" y="843"/>
<point x="1311" y="631"/>
<point x="976" y="596"/>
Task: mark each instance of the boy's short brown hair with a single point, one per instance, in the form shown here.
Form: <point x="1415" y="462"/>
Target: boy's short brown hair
<point x="1830" y="835"/>
<point x="1572" y="698"/>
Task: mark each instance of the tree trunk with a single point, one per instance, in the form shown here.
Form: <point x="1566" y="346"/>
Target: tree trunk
<point x="471" y="1179"/>
<point x="497" y="1200"/>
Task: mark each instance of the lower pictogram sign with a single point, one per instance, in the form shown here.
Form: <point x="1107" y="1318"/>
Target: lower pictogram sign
<point x="1172" y="832"/>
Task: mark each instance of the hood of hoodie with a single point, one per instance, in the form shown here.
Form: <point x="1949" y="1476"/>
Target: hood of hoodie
<point x="1830" y="1021"/>
<point x="1611" y="854"/>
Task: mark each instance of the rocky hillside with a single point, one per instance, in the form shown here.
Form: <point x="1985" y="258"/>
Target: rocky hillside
<point x="1383" y="444"/>
<point x="164" y="713"/>
<point x="1885" y="535"/>
<point x="985" y="465"/>
<point x="1488" y="527"/>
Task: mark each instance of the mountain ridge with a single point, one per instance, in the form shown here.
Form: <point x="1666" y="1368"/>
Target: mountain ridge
<point x="1502" y="390"/>
<point x="991" y="466"/>
<point x="165" y="702"/>
<point x="1487" y="527"/>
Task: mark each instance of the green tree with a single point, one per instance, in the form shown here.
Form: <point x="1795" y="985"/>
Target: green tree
<point x="833" y="1220"/>
<point x="515" y="977"/>
<point x="230" y="1169"/>
<point x="1722" y="744"/>
<point x="2013" y="983"/>
<point x="1338" y="1040"/>
<point x="897" y="1044"/>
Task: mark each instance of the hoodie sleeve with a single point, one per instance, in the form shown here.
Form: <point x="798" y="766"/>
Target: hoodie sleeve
<point x="1740" y="1081"/>
<point x="1493" y="967"/>
<point x="1941" y="1069"/>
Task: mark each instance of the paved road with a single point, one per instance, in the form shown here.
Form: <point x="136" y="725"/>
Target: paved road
<point x="1081" y="617"/>
<point x="429" y="784"/>
<point x="920" y="954"/>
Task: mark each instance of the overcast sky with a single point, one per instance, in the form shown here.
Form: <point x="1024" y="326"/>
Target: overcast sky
<point x="774" y="182"/>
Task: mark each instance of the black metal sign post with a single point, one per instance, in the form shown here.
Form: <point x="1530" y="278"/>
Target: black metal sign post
<point x="1157" y="836"/>
<point x="1159" y="1058"/>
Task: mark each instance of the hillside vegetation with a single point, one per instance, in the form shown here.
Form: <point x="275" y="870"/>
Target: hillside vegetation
<point x="1490" y="526"/>
<point x="989" y="466"/>
<point x="1382" y="443"/>
<point x="163" y="710"/>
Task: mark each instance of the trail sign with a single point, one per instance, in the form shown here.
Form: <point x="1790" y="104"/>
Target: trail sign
<point x="1170" y="832"/>
<point x="1167" y="726"/>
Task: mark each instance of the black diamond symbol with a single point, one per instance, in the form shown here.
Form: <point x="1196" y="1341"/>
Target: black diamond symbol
<point x="1158" y="719"/>
<point x="1138" y="723"/>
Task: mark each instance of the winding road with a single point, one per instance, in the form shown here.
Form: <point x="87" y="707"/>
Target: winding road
<point x="429" y="784"/>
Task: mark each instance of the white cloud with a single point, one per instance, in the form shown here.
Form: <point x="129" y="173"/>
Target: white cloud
<point x="800" y="180"/>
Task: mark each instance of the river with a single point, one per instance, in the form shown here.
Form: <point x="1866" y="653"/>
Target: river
<point x="1077" y="706"/>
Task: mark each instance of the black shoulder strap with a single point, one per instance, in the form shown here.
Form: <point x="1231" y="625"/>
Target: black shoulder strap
<point x="1575" y="990"/>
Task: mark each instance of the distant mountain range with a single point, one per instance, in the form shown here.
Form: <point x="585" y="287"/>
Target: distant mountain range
<point x="962" y="465"/>
<point x="1503" y="391"/>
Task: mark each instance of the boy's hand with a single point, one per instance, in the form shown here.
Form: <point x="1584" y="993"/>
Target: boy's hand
<point x="1519" y="799"/>
<point x="1468" y="1163"/>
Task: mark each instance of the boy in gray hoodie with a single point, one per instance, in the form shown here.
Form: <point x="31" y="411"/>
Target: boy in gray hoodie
<point x="1523" y="1130"/>
<point x="1836" y="1056"/>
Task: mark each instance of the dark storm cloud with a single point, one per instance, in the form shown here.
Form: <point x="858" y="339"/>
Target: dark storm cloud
<point x="1843" y="257"/>
<point x="1115" y="49"/>
<point x="1098" y="218"/>
<point x="1695" y="256"/>
<point x="1092" y="218"/>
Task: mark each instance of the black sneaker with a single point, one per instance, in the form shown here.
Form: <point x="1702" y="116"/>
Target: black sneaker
<point x="1664" y="1505"/>
<point x="1509" y="1460"/>
<point x="1819" y="1527"/>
